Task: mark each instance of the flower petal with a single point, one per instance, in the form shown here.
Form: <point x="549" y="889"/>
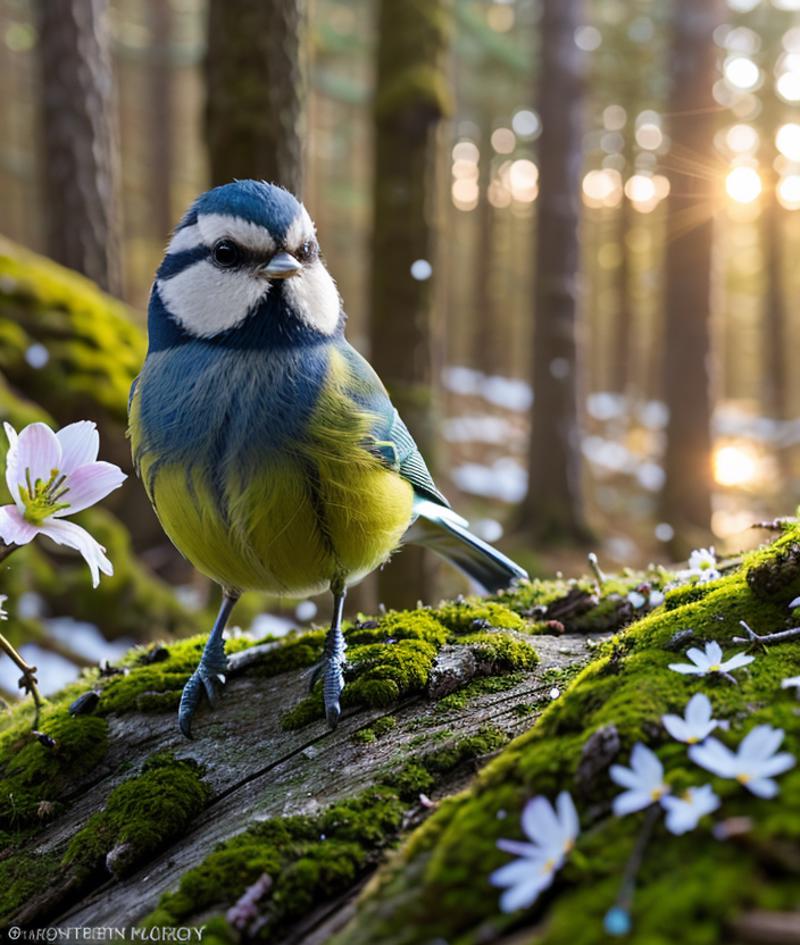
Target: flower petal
<point x="645" y="762"/>
<point x="39" y="451"/>
<point x="80" y="444"/>
<point x="630" y="801"/>
<point x="698" y="709"/>
<point x="688" y="669"/>
<point x="519" y="848"/>
<point x="623" y="776"/>
<point x="715" y="757"/>
<point x="762" y="787"/>
<point x="567" y="816"/>
<point x="713" y="652"/>
<point x="89" y="485"/>
<point x="699" y="657"/>
<point x="676" y="727"/>
<point x="72" y="535"/>
<point x="517" y="871"/>
<point x="524" y="894"/>
<point x="540" y="823"/>
<point x="736" y="662"/>
<point x="14" y="530"/>
<point x="776" y="765"/>
<point x="790" y="682"/>
<point x="760" y="742"/>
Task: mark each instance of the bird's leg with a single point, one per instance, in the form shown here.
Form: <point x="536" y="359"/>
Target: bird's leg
<point x="210" y="672"/>
<point x="333" y="657"/>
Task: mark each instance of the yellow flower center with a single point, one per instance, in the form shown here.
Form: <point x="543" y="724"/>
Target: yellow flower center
<point x="713" y="668"/>
<point x="742" y="778"/>
<point x="547" y="867"/>
<point x="41" y="498"/>
<point x="657" y="793"/>
<point x="692" y="740"/>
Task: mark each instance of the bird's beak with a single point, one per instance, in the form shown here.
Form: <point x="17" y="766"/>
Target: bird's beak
<point x="281" y="266"/>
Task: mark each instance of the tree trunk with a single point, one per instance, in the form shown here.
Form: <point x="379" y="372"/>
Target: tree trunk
<point x="487" y="331"/>
<point x="255" y="80"/>
<point x="686" y="498"/>
<point x="622" y="339"/>
<point x="160" y="113"/>
<point x="775" y="382"/>
<point x="553" y="510"/>
<point x="79" y="157"/>
<point x="410" y="100"/>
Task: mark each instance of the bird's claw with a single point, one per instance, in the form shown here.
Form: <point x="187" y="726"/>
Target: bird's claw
<point x="201" y="681"/>
<point x="332" y="686"/>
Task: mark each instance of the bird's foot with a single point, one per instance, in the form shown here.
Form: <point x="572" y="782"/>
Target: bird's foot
<point x="208" y="678"/>
<point x="332" y="686"/>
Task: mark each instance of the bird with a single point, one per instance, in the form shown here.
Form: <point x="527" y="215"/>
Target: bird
<point x="267" y="445"/>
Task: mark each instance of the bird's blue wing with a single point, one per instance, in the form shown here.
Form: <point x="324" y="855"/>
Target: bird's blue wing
<point x="390" y="440"/>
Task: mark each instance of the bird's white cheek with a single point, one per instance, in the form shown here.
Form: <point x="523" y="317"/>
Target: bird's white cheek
<point x="314" y="298"/>
<point x="207" y="301"/>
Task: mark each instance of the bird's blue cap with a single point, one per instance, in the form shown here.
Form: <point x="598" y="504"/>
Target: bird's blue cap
<point x="264" y="204"/>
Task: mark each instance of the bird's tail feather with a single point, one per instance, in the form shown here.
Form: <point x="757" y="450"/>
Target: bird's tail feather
<point x="446" y="533"/>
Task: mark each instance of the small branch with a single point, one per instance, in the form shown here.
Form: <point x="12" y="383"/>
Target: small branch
<point x="594" y="564"/>
<point x="618" y="918"/>
<point x="29" y="682"/>
<point x="781" y="636"/>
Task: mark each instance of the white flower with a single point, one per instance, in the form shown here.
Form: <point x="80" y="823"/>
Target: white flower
<point x="794" y="603"/>
<point x="552" y="833"/>
<point x="792" y="682"/>
<point x="636" y="600"/>
<point x="710" y="661"/>
<point x="656" y="598"/>
<point x="696" y="724"/>
<point x="703" y="565"/>
<point x="555" y="692"/>
<point x="50" y="475"/>
<point x="683" y="813"/>
<point x="753" y="764"/>
<point x="644" y="781"/>
<point x="3" y="611"/>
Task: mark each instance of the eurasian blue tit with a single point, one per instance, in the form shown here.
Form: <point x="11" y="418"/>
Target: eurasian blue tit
<point x="268" y="446"/>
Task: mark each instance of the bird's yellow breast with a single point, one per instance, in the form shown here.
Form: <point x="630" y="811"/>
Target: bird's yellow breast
<point x="322" y="507"/>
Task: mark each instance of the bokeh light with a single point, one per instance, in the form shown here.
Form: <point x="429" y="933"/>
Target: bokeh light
<point x="742" y="73"/>
<point x="789" y="192"/>
<point x="466" y="151"/>
<point x="602" y="188"/>
<point x="614" y="117"/>
<point x="526" y="124"/>
<point x="787" y="140"/>
<point x="743" y="184"/>
<point x="523" y="179"/>
<point x="788" y="86"/>
<point x="742" y="139"/>
<point x="649" y="136"/>
<point x="503" y="140"/>
<point x="735" y="465"/>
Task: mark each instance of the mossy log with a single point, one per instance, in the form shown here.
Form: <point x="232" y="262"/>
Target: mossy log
<point x="267" y="827"/>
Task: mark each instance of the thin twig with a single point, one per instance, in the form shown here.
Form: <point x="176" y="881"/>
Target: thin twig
<point x="29" y="680"/>
<point x="780" y="636"/>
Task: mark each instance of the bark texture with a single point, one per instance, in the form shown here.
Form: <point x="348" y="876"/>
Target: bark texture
<point x="79" y="142"/>
<point x="255" y="80"/>
<point x="411" y="98"/>
<point x="686" y="498"/>
<point x="554" y="508"/>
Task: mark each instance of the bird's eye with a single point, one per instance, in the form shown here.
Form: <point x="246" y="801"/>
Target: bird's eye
<point x="307" y="251"/>
<point x="226" y="253"/>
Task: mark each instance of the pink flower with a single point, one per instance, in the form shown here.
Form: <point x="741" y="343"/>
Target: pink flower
<point x="51" y="475"/>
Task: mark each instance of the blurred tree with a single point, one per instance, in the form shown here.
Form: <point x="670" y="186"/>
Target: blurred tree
<point x="487" y="320"/>
<point x="160" y="114"/>
<point x="411" y="97"/>
<point x="686" y="497"/>
<point x="256" y="89"/>
<point x="79" y="159"/>
<point x="553" y="510"/>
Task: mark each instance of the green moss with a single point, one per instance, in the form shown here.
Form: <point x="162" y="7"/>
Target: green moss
<point x="33" y="773"/>
<point x="314" y="858"/>
<point x="23" y="876"/>
<point x="500" y="652"/>
<point x="378" y="729"/>
<point x="471" y="615"/>
<point x="690" y="887"/>
<point x="143" y="814"/>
